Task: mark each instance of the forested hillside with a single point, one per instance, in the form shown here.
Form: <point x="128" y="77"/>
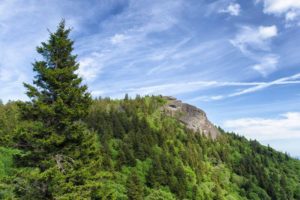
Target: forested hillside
<point x="62" y="144"/>
<point x="148" y="155"/>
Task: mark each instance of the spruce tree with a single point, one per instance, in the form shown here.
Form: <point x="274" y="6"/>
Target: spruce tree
<point x="134" y="186"/>
<point x="53" y="137"/>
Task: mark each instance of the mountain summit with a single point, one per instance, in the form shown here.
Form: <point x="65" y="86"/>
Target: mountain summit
<point x="193" y="117"/>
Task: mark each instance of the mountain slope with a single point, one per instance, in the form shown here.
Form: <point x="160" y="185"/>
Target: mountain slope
<point x="172" y="157"/>
<point x="149" y="152"/>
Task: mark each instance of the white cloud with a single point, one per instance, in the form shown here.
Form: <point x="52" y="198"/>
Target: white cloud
<point x="20" y="39"/>
<point x="267" y="64"/>
<point x="177" y="88"/>
<point x="254" y="37"/>
<point x="90" y="67"/>
<point x="254" y="42"/>
<point x="251" y="39"/>
<point x="192" y="86"/>
<point x="233" y="9"/>
<point x="11" y="80"/>
<point x="289" y="8"/>
<point x="291" y="16"/>
<point x="280" y="6"/>
<point x="256" y="86"/>
<point x="282" y="81"/>
<point x="118" y="38"/>
<point x="285" y="126"/>
<point x="266" y="32"/>
<point x="125" y="45"/>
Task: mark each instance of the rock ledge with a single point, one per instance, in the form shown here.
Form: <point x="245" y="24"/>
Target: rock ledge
<point x="193" y="117"/>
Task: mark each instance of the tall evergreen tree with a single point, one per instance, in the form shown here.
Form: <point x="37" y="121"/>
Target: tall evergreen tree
<point x="54" y="139"/>
<point x="134" y="187"/>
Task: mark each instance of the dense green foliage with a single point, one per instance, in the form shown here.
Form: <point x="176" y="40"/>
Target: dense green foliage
<point x="52" y="138"/>
<point x="63" y="145"/>
<point x="147" y="155"/>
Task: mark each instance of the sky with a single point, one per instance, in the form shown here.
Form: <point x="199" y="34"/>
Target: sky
<point x="237" y="60"/>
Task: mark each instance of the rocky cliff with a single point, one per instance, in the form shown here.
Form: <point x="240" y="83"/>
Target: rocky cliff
<point x="193" y="117"/>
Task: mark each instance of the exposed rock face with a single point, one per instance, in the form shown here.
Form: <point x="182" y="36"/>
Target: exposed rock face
<point x="193" y="117"/>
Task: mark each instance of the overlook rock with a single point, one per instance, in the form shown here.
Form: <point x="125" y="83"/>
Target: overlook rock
<point x="192" y="117"/>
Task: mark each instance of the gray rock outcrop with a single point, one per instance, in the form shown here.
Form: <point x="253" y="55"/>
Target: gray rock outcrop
<point x="193" y="117"/>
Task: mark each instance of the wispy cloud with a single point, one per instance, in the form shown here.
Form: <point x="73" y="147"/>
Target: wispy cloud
<point x="22" y="28"/>
<point x="254" y="42"/>
<point x="175" y="88"/>
<point x="118" y="38"/>
<point x="233" y="9"/>
<point x="285" y="126"/>
<point x="266" y="64"/>
<point x="294" y="79"/>
<point x="90" y="66"/>
<point x="282" y="81"/>
<point x="226" y="7"/>
<point x="183" y="87"/>
<point x="257" y="38"/>
<point x="126" y="47"/>
<point x="144" y="59"/>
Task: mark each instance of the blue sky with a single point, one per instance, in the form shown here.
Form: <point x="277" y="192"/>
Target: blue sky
<point x="237" y="60"/>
